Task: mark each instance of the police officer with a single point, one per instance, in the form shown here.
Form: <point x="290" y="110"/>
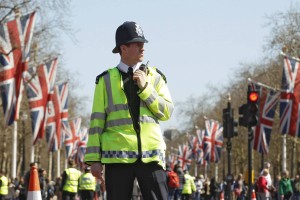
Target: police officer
<point x="189" y="186"/>
<point x="87" y="184"/>
<point x="3" y="186"/>
<point x="69" y="183"/>
<point x="125" y="135"/>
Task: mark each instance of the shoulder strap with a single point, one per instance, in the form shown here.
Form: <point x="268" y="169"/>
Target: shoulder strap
<point x="100" y="75"/>
<point x="162" y="75"/>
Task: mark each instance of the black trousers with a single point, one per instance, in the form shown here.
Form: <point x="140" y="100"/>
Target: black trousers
<point x="68" y="195"/>
<point x="87" y="194"/>
<point x="119" y="179"/>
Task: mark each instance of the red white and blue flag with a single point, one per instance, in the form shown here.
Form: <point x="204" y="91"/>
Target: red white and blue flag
<point x="290" y="98"/>
<point x="56" y="115"/>
<point x="213" y="141"/>
<point x="39" y="82"/>
<point x="81" y="146"/>
<point x="172" y="160"/>
<point x="200" y="153"/>
<point x="193" y="144"/>
<point x="267" y="104"/>
<point x="72" y="136"/>
<point x="15" y="42"/>
<point x="184" y="156"/>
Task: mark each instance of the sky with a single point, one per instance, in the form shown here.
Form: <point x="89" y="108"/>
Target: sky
<point x="195" y="43"/>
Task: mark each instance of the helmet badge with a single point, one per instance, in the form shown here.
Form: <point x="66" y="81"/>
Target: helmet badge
<point x="139" y="30"/>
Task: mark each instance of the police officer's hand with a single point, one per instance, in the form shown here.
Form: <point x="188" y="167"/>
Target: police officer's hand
<point x="141" y="78"/>
<point x="97" y="171"/>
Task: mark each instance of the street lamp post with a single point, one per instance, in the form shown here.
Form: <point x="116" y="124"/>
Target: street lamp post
<point x="23" y="119"/>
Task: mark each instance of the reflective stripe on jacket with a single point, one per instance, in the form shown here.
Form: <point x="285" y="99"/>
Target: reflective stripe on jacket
<point x="112" y="138"/>
<point x="71" y="184"/>
<point x="87" y="182"/>
<point x="4" y="185"/>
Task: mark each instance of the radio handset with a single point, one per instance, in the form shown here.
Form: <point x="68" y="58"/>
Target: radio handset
<point x="143" y="67"/>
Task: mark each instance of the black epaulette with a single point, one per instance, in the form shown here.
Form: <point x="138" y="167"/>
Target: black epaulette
<point x="100" y="75"/>
<point x="163" y="76"/>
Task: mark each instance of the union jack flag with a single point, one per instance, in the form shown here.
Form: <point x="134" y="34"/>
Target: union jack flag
<point x="290" y="98"/>
<point x="15" y="41"/>
<point x="39" y="85"/>
<point x="185" y="156"/>
<point x="172" y="160"/>
<point x="200" y="154"/>
<point x="72" y="136"/>
<point x="267" y="105"/>
<point x="56" y="115"/>
<point x="213" y="141"/>
<point x="81" y="146"/>
<point x="193" y="144"/>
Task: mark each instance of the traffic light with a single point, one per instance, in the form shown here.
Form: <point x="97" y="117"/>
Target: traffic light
<point x="252" y="105"/>
<point x="225" y="122"/>
<point x="235" y="127"/>
<point x="229" y="124"/>
<point x="249" y="112"/>
<point x="243" y="115"/>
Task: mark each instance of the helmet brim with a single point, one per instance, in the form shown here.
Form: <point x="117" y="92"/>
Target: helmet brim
<point x="116" y="49"/>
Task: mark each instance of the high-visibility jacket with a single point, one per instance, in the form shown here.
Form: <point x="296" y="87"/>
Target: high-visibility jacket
<point x="112" y="137"/>
<point x="87" y="182"/>
<point x="71" y="184"/>
<point x="189" y="185"/>
<point x="4" y="185"/>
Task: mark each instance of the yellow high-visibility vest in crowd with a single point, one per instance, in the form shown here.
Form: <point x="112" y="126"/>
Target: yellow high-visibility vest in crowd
<point x="4" y="185"/>
<point x="112" y="138"/>
<point x="87" y="182"/>
<point x="71" y="184"/>
<point x="189" y="185"/>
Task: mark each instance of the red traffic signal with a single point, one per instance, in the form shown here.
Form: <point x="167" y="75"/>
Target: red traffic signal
<point x="253" y="97"/>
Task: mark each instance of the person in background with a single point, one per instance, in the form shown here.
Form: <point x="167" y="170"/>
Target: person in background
<point x="21" y="189"/>
<point x="87" y="184"/>
<point x="178" y="191"/>
<point x="27" y="176"/>
<point x="262" y="186"/>
<point x="267" y="166"/>
<point x="129" y="101"/>
<point x="214" y="189"/>
<point x="43" y="185"/>
<point x="199" y="187"/>
<point x="296" y="188"/>
<point x="3" y="186"/>
<point x="171" y="190"/>
<point x="69" y="183"/>
<point x="238" y="187"/>
<point x="188" y="187"/>
<point x="285" y="186"/>
<point x="276" y="187"/>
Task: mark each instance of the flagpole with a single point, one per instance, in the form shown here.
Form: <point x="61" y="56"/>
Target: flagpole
<point x="50" y="165"/>
<point x="285" y="55"/>
<point x="14" y="150"/>
<point x="263" y="85"/>
<point x="32" y="154"/>
<point x="216" y="171"/>
<point x="58" y="163"/>
<point x="284" y="152"/>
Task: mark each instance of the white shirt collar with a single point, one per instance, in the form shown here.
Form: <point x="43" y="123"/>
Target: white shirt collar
<point x="124" y="68"/>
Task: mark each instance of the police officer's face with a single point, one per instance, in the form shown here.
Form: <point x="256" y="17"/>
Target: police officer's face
<point x="133" y="53"/>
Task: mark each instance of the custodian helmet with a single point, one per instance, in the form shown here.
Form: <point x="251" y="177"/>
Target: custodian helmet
<point x="128" y="32"/>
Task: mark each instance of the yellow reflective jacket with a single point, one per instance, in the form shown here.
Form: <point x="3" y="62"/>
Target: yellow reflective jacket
<point x="87" y="182"/>
<point x="189" y="185"/>
<point x="112" y="138"/>
<point x="4" y="185"/>
<point x="71" y="184"/>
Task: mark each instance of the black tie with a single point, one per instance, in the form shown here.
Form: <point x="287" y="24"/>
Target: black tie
<point x="130" y="72"/>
